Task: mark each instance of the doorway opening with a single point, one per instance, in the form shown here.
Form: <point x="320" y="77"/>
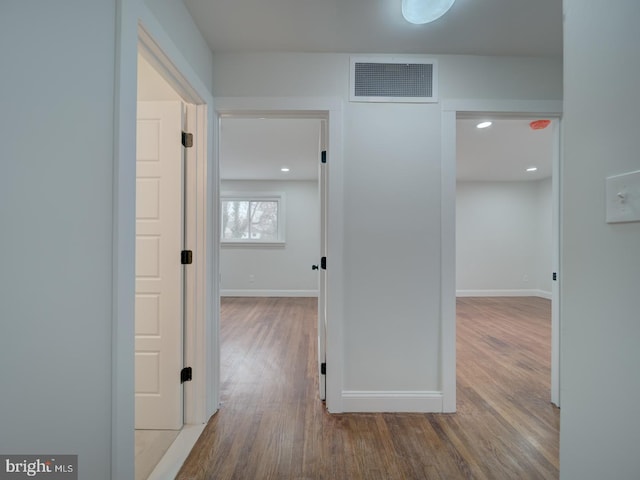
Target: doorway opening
<point x="174" y="375"/>
<point x="506" y="252"/>
<point x="272" y="236"/>
<point x="451" y="111"/>
<point x="328" y="110"/>
<point x="160" y="279"/>
<point x="505" y="212"/>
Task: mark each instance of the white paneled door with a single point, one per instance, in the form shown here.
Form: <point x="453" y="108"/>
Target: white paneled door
<point x="322" y="293"/>
<point x="159" y="281"/>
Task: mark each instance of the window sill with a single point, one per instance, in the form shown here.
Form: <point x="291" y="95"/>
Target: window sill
<point x="243" y="244"/>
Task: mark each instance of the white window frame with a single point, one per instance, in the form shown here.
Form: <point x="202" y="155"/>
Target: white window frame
<point x="278" y="197"/>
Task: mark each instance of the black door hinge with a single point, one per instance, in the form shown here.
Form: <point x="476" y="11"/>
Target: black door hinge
<point x="323" y="369"/>
<point x="186" y="257"/>
<point x="323" y="158"/>
<point x="323" y="263"/>
<point x="187" y="139"/>
<point x="554" y="276"/>
<point x="186" y="374"/>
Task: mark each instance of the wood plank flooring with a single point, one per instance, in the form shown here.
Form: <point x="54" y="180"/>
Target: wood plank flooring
<point x="272" y="425"/>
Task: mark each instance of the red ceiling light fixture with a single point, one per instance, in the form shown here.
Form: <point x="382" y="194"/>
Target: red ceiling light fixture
<point x="539" y="124"/>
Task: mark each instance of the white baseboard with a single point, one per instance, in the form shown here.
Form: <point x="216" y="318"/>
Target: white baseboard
<point x="544" y="294"/>
<point x="178" y="452"/>
<point x="392" y="401"/>
<point x="268" y="293"/>
<point x="504" y="293"/>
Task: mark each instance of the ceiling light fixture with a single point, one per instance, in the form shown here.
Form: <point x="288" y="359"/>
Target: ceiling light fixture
<point x="532" y="169"/>
<point x="424" y="11"/>
<point x="484" y="124"/>
<point x="285" y="169"/>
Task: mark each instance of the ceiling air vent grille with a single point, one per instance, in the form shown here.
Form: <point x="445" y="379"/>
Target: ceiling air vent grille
<point x="393" y="80"/>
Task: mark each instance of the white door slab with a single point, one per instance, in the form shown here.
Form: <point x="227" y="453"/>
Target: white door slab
<point x="159" y="281"/>
<point x="322" y="287"/>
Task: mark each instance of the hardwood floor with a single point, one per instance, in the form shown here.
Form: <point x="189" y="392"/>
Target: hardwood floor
<point x="272" y="425"/>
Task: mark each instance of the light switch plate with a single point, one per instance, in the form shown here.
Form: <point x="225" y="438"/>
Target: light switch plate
<point x="623" y="198"/>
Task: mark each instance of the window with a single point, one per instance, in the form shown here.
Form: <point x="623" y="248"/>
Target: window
<point x="252" y="218"/>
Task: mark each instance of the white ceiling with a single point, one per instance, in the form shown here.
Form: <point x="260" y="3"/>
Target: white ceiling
<point x="256" y="149"/>
<point x="503" y="151"/>
<point x="472" y="27"/>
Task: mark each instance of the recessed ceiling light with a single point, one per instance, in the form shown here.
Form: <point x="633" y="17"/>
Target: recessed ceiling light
<point x="285" y="169"/>
<point x="532" y="169"/>
<point x="484" y="124"/>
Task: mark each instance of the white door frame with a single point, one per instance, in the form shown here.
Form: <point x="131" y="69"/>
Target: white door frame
<point x="450" y="110"/>
<point x="331" y="110"/>
<point x="137" y="27"/>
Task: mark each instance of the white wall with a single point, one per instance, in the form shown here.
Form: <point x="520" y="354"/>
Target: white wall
<point x="277" y="271"/>
<point x="461" y="76"/>
<point x="600" y="269"/>
<point x="392" y="200"/>
<point x="56" y="146"/>
<point x="503" y="238"/>
<point x="58" y="91"/>
<point x="179" y="26"/>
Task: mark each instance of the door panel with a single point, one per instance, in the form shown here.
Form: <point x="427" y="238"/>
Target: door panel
<point x="322" y="294"/>
<point x="159" y="282"/>
<point x="555" y="284"/>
